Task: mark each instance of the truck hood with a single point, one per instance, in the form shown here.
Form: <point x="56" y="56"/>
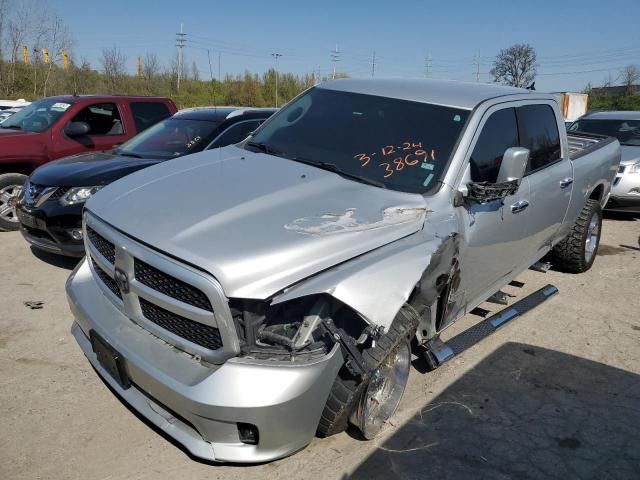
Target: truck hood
<point x="256" y="222"/>
<point x="630" y="154"/>
<point x="88" y="170"/>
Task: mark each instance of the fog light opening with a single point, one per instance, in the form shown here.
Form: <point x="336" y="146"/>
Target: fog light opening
<point x="248" y="433"/>
<point x="76" y="233"/>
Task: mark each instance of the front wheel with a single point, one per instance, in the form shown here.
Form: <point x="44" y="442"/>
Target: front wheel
<point x="576" y="252"/>
<point x="10" y="190"/>
<point x="369" y="404"/>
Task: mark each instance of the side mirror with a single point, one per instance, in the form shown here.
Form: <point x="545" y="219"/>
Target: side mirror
<point x="514" y="164"/>
<point x="77" y="129"/>
<point x="512" y="168"/>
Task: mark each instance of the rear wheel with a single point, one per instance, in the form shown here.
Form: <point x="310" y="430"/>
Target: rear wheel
<point x="10" y="190"/>
<point x="369" y="404"/>
<point x="578" y="250"/>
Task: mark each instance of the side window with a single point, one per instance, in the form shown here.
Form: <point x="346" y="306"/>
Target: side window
<point x="146" y="114"/>
<point x="236" y="133"/>
<point x="103" y="119"/>
<point x="499" y="132"/>
<point x="539" y="133"/>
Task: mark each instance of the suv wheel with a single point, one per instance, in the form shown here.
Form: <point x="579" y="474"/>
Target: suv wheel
<point x="10" y="190"/>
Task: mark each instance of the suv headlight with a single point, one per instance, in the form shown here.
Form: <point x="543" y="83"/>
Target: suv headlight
<point x="78" y="195"/>
<point x="635" y="168"/>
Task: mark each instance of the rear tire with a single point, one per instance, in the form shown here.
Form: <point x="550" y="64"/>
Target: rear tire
<point x="10" y="189"/>
<point x="576" y="252"/>
<point x="347" y="390"/>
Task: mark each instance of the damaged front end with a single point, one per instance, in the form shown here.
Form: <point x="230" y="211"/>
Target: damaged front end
<point x="302" y="329"/>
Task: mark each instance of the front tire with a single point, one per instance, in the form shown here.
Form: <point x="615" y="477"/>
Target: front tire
<point x="10" y="190"/>
<point x="577" y="252"/>
<point x="349" y="396"/>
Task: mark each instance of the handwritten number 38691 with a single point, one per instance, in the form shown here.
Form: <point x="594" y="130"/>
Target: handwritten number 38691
<point x="398" y="163"/>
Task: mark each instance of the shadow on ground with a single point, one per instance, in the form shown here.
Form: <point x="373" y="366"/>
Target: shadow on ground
<point x="523" y="413"/>
<point x="60" y="261"/>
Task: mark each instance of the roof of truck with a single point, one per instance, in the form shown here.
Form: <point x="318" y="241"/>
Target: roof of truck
<point x="220" y="113"/>
<point x="452" y="93"/>
<point x="614" y="115"/>
<point x="76" y="98"/>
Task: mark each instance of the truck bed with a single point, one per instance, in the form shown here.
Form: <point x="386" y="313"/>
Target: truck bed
<point x="581" y="143"/>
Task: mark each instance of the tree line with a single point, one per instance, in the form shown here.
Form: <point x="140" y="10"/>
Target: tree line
<point x="40" y="70"/>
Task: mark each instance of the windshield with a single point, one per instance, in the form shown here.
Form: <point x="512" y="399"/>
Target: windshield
<point x="38" y="116"/>
<point x="171" y="138"/>
<point x="396" y="144"/>
<point x="626" y="131"/>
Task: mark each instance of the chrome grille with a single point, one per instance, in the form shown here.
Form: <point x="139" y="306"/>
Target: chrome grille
<point x="204" y="335"/>
<point x="178" y="303"/>
<point x="106" y="248"/>
<point x="171" y="286"/>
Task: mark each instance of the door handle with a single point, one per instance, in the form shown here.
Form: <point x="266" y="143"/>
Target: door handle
<point x="564" y="183"/>
<point x="519" y="206"/>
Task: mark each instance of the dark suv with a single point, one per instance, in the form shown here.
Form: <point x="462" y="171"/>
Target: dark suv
<point x="50" y="209"/>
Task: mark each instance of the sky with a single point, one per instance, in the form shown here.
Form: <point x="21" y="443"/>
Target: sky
<point x="576" y="42"/>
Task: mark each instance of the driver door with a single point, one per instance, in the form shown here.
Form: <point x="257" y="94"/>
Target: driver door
<point x="494" y="233"/>
<point x="107" y="129"/>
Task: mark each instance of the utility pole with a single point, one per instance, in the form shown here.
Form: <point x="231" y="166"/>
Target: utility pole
<point x="476" y="64"/>
<point x="139" y="67"/>
<point x="219" y="68"/>
<point x="213" y="87"/>
<point x="373" y="65"/>
<point x="427" y="65"/>
<point x="180" y="44"/>
<point x="335" y="57"/>
<point x="276" y="56"/>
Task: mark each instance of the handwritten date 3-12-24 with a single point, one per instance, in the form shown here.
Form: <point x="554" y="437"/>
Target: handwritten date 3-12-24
<point x="408" y="154"/>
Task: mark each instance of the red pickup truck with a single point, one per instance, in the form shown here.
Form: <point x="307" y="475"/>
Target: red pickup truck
<point x="56" y="127"/>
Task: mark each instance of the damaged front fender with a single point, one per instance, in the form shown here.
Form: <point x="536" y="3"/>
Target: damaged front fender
<point x="376" y="284"/>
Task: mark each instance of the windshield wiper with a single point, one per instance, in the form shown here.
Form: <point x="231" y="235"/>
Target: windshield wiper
<point x="129" y="154"/>
<point x="263" y="147"/>
<point x="12" y="127"/>
<point x="332" y="167"/>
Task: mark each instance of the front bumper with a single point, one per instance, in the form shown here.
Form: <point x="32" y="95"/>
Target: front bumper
<point x="51" y="226"/>
<point x="199" y="405"/>
<point x="625" y="193"/>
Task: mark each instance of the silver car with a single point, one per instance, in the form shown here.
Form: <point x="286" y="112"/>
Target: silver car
<point x="625" y="126"/>
<point x="246" y="298"/>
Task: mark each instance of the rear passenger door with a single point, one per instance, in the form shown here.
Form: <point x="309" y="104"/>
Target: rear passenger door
<point x="549" y="172"/>
<point x="147" y="114"/>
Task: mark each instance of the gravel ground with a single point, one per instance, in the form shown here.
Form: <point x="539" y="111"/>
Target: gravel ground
<point x="554" y="394"/>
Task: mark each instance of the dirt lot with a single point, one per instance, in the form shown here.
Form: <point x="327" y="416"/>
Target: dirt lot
<point x="554" y="394"/>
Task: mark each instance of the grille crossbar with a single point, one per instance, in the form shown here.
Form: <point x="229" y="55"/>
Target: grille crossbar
<point x="204" y="335"/>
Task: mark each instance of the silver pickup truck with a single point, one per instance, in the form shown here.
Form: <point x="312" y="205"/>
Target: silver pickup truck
<point x="247" y="298"/>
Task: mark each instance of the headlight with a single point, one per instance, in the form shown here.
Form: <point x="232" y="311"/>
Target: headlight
<point x="78" y="195"/>
<point x="635" y="168"/>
